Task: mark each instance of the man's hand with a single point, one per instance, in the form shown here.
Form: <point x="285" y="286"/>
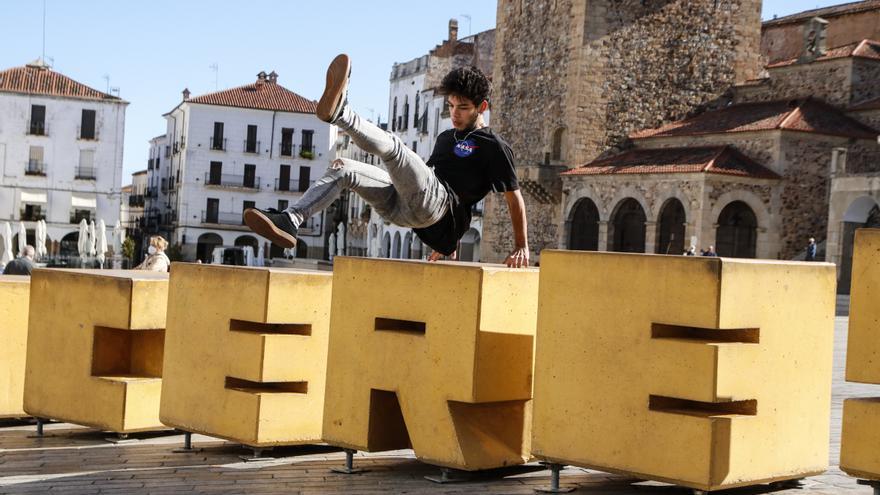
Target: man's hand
<point x="519" y="258"/>
<point x="436" y="255"/>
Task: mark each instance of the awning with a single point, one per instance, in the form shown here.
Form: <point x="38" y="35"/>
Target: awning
<point x="33" y="197"/>
<point x="78" y="201"/>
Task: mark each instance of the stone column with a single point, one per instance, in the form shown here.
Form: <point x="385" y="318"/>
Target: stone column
<point x="603" y="235"/>
<point x="650" y="236"/>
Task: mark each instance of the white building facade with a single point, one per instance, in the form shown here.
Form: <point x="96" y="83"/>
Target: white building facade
<point x="61" y="152"/>
<point x="259" y="145"/>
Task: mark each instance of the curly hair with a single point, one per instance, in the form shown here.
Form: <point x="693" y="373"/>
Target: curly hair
<point x="469" y="82"/>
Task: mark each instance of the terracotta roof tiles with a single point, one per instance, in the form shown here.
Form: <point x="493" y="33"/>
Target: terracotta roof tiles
<point x="802" y="115"/>
<point x="868" y="49"/>
<point x="724" y="160"/>
<point x="261" y="96"/>
<point x="832" y="11"/>
<point x="37" y="79"/>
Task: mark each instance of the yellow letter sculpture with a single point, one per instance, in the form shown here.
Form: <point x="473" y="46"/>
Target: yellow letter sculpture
<point x="432" y="355"/>
<point x="14" y="294"/>
<point x="859" y="455"/>
<point x="246" y="353"/>
<point x="704" y="372"/>
<point x="94" y="353"/>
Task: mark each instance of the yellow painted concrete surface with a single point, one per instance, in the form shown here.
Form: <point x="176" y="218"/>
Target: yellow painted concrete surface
<point x="246" y="353"/>
<point x="859" y="455"/>
<point x="705" y="372"/>
<point x="94" y="354"/>
<point x="432" y="355"/>
<point x="14" y="295"/>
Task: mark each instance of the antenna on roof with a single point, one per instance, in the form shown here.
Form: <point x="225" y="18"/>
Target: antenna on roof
<point x="114" y="92"/>
<point x="216" y="68"/>
<point x="468" y="17"/>
<point x="107" y="79"/>
<point x="43" y="58"/>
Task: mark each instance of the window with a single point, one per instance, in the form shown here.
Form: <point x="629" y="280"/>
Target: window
<point x="250" y="173"/>
<point x="394" y="116"/>
<point x="38" y="120"/>
<point x="251" y="145"/>
<point x="416" y="113"/>
<point x="284" y="178"/>
<point x="86" y="168"/>
<point x="217" y="140"/>
<point x="87" y="125"/>
<point x="80" y="215"/>
<point x="215" y="176"/>
<point x="32" y="213"/>
<point x="558" y="135"/>
<point x="437" y="121"/>
<point x="157" y="163"/>
<point x="283" y="204"/>
<point x="415" y="146"/>
<point x="405" y="113"/>
<point x="245" y="205"/>
<point x="35" y="165"/>
<point x="212" y="210"/>
<point x="304" y="176"/>
<point x="307" y="136"/>
<point x="286" y="141"/>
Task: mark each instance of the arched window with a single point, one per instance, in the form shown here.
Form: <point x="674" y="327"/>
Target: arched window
<point x="628" y="227"/>
<point x="556" y="148"/>
<point x="584" y="233"/>
<point x="206" y="244"/>
<point x="670" y="228"/>
<point x="737" y="232"/>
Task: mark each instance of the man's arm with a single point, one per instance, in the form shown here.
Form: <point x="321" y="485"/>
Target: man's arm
<point x="519" y="257"/>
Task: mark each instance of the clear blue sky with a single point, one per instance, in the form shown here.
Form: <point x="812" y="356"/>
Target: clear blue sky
<point x="153" y="49"/>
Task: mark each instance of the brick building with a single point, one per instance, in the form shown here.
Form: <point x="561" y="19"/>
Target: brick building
<point x="663" y="125"/>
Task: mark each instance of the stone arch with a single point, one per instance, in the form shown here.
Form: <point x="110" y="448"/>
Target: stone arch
<point x="386" y="245"/>
<point x="247" y="240"/>
<point x="737" y="232"/>
<point x="754" y="202"/>
<point x="205" y="245"/>
<point x="469" y="248"/>
<point x="417" y="248"/>
<point x="626" y="230"/>
<point x="671" y="223"/>
<point x="583" y="225"/>
<point x="626" y="192"/>
<point x="69" y="244"/>
<point x="395" y="249"/>
<point x="407" y="246"/>
<point x="863" y="212"/>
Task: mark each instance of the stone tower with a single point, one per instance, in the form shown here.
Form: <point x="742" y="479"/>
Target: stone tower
<point x="572" y="79"/>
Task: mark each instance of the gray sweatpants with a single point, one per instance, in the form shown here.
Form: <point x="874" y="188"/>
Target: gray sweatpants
<point x="408" y="194"/>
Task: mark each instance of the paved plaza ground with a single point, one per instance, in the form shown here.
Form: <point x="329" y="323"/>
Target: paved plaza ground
<point x="75" y="460"/>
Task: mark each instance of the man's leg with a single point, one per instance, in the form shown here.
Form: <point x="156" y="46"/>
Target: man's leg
<point x="423" y="198"/>
<point x="367" y="181"/>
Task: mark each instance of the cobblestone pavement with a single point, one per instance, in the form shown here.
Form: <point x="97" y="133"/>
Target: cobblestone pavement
<point x="74" y="460"/>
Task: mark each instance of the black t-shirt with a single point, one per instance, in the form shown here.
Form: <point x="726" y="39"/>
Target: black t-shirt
<point x="470" y="165"/>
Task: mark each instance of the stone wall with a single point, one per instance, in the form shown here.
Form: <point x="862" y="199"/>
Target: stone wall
<point x="868" y="117"/>
<point x="783" y="40"/>
<point x="602" y="69"/>
<point x="863" y="157"/>
<point x="828" y="80"/>
<point x="865" y="80"/>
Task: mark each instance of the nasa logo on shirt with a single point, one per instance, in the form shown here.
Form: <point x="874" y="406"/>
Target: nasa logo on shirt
<point x="464" y="149"/>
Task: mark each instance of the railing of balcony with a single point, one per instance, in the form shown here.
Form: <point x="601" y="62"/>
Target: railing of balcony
<point x="286" y="149"/>
<point x="218" y="144"/>
<point x="86" y="173"/>
<point x="226" y="180"/>
<point x="307" y="151"/>
<point x="35" y="167"/>
<point x="37" y="128"/>
<point x="251" y="146"/>
<point x="292" y="185"/>
<point x="223" y="218"/>
<point x="136" y="200"/>
<point x="31" y="216"/>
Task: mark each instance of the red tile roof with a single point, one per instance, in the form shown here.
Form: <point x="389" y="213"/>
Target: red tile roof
<point x="724" y="160"/>
<point x="261" y="96"/>
<point x="833" y="11"/>
<point x="803" y="115"/>
<point x="868" y="49"/>
<point x="37" y="79"/>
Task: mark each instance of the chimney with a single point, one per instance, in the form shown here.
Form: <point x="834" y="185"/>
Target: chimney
<point x="186" y="94"/>
<point x="273" y="77"/>
<point x="453" y="29"/>
<point x="815" y="34"/>
<point x="261" y="79"/>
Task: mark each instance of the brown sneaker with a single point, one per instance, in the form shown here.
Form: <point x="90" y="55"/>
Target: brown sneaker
<point x="330" y="104"/>
<point x="273" y="225"/>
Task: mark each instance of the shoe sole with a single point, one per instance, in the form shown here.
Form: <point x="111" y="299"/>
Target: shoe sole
<point x="261" y="224"/>
<point x="337" y="80"/>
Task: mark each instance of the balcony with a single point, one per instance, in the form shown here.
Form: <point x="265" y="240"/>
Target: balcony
<point x="307" y="151"/>
<point x="86" y="173"/>
<point x="152" y="192"/>
<point x="36" y="128"/>
<point x="91" y="134"/>
<point x="223" y="218"/>
<point x="226" y="180"/>
<point x="136" y="200"/>
<point x="251" y="146"/>
<point x="286" y="149"/>
<point x="218" y="144"/>
<point x="292" y="185"/>
<point x="31" y="215"/>
<point x="77" y="215"/>
<point x="35" y="167"/>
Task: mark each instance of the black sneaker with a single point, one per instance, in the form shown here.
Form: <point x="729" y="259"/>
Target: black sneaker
<point x="273" y="225"/>
<point x="331" y="102"/>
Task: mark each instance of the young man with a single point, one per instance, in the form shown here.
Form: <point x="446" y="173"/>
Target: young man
<point x="434" y="199"/>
